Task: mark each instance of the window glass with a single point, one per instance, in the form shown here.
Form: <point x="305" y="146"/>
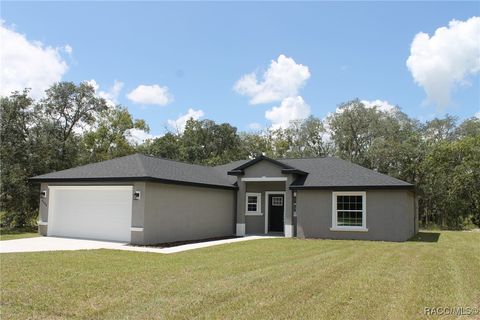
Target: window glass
<point x="252" y="203"/>
<point x="349" y="211"/>
<point x="277" y="201"/>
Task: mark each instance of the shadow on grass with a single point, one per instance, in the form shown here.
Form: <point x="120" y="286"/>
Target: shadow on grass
<point x="5" y="231"/>
<point x="425" y="237"/>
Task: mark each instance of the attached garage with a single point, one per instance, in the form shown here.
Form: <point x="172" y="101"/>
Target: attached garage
<point x="90" y="212"/>
<point x="137" y="199"/>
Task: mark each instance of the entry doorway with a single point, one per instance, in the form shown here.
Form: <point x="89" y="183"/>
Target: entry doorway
<point x="275" y="211"/>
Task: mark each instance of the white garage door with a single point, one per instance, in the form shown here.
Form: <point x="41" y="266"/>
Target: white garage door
<point x="90" y="212"/>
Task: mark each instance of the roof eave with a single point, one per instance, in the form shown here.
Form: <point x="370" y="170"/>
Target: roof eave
<point x="131" y="179"/>
<point x="354" y="188"/>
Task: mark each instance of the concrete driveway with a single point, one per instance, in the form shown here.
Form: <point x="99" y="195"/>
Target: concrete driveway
<point x="40" y="244"/>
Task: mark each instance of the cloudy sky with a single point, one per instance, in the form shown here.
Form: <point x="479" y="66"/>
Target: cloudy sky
<point x="253" y="65"/>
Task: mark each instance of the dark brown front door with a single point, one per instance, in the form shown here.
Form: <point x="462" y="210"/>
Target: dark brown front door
<point x="276" y="203"/>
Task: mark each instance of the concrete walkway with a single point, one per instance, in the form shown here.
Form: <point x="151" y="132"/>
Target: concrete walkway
<point x="40" y="244"/>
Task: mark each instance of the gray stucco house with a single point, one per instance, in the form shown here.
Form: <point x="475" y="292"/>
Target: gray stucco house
<point x="148" y="200"/>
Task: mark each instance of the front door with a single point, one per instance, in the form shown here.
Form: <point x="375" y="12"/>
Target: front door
<point x="275" y="212"/>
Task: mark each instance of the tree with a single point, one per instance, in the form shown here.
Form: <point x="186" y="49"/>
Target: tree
<point x="15" y="192"/>
<point x="468" y="128"/>
<point x="65" y="108"/>
<point x="167" y="146"/>
<point x="353" y="129"/>
<point x="206" y="142"/>
<point x="255" y="144"/>
<point x="109" y="138"/>
<point x="308" y="138"/>
<point x="452" y="182"/>
<point x="438" y="130"/>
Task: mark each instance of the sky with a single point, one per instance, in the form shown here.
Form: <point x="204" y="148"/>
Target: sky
<point x="253" y="65"/>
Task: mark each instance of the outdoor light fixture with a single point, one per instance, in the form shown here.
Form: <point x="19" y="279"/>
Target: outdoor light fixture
<point x="43" y="193"/>
<point x="136" y="195"/>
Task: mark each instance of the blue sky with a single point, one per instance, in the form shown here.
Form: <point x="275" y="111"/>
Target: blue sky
<point x="200" y="50"/>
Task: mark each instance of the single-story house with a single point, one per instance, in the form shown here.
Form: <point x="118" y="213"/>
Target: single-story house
<point x="147" y="200"/>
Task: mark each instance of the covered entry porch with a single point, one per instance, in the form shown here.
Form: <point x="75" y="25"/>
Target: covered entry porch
<point x="264" y="207"/>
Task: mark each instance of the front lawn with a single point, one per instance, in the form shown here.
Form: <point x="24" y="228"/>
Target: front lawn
<point x="263" y="279"/>
<point x="11" y="234"/>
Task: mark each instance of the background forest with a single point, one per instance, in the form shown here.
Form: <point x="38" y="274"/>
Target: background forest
<point x="72" y="126"/>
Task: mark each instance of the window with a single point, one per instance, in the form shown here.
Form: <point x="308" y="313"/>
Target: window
<point x="349" y="211"/>
<point x="253" y="204"/>
<point x="277" y="201"/>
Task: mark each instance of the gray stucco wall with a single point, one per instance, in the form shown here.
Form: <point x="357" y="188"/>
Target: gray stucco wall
<point x="390" y="215"/>
<point x="174" y="213"/>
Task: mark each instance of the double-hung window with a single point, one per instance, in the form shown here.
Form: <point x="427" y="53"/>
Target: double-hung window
<point x="253" y="204"/>
<point x="349" y="211"/>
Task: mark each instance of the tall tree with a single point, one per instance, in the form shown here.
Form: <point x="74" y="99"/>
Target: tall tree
<point x="209" y="143"/>
<point x="308" y="138"/>
<point x="110" y="136"/>
<point x="452" y="182"/>
<point x="354" y="129"/>
<point x="437" y="130"/>
<point x="468" y="128"/>
<point x="255" y="144"/>
<point x="65" y="108"/>
<point x="15" y="168"/>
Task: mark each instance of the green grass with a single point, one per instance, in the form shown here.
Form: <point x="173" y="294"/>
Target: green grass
<point x="11" y="234"/>
<point x="264" y="279"/>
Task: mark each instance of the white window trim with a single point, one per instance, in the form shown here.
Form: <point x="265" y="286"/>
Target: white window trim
<point x="259" y="204"/>
<point x="335" y="227"/>
<point x="267" y="194"/>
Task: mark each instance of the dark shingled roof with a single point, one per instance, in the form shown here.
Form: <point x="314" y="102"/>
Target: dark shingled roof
<point x="140" y="167"/>
<point x="324" y="173"/>
<point x="332" y="172"/>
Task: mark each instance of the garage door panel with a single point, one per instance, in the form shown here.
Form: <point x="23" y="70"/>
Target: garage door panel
<point x="91" y="212"/>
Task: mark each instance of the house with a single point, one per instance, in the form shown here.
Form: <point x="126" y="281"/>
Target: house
<point x="147" y="200"/>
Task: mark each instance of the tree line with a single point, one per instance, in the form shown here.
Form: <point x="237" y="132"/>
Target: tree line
<point x="72" y="126"/>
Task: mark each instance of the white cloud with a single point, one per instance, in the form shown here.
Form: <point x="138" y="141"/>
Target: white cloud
<point x="282" y="79"/>
<point x="381" y="105"/>
<point x="28" y="64"/>
<point x="477" y="115"/>
<point x="179" y="123"/>
<point x="443" y="61"/>
<point x="139" y="136"/>
<point x="111" y="95"/>
<point x="291" y="108"/>
<point x="151" y="94"/>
